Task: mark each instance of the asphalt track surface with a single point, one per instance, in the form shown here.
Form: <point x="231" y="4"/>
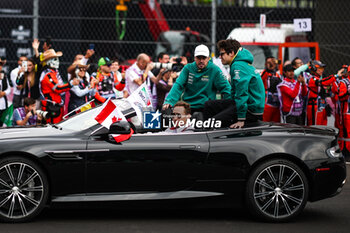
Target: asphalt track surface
<point x="328" y="216"/>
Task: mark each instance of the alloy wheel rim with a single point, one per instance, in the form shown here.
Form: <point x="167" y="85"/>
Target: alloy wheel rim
<point x="21" y="190"/>
<point x="279" y="191"/>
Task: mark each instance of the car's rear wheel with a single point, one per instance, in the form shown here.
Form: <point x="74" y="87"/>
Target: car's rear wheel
<point x="277" y="190"/>
<point x="23" y="189"/>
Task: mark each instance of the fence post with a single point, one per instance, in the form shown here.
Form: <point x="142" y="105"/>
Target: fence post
<point x="35" y="19"/>
<point x="213" y="26"/>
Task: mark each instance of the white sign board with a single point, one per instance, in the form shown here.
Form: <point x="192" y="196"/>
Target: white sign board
<point x="302" y="25"/>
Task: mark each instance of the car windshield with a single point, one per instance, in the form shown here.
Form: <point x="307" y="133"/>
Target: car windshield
<point x="81" y="121"/>
<point x="260" y="53"/>
<point x="171" y="42"/>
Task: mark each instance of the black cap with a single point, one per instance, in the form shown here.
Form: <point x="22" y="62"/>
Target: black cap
<point x="165" y="71"/>
<point x="288" y="67"/>
<point x="318" y="64"/>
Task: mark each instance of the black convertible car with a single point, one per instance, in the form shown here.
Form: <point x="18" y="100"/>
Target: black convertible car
<point x="273" y="169"/>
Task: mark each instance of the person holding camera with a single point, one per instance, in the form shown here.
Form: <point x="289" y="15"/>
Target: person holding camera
<point x="26" y="115"/>
<point x="317" y="107"/>
<point x="271" y="79"/>
<point x="344" y="118"/>
<point x="80" y="59"/>
<point x="139" y="73"/>
<point x="291" y="94"/>
<point x="79" y="94"/>
<point x="164" y="85"/>
<point x="14" y="75"/>
<point x="118" y="77"/>
<point x="198" y="82"/>
<point x="105" y="83"/>
<point x="163" y="58"/>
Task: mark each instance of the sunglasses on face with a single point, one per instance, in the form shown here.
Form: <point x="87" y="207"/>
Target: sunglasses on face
<point x="82" y="69"/>
<point x="221" y="54"/>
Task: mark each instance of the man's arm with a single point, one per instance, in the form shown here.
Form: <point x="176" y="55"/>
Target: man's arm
<point x="18" y="120"/>
<point x="178" y="88"/>
<point x="289" y="92"/>
<point x="35" y="46"/>
<point x="55" y="86"/>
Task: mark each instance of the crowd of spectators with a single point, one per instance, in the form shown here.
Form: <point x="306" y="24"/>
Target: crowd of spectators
<point x="299" y="94"/>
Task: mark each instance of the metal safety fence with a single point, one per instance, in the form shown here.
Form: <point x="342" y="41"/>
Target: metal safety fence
<point x="122" y="29"/>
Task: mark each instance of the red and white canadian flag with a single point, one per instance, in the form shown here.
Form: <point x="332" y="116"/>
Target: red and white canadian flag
<point x="109" y="114"/>
<point x="122" y="137"/>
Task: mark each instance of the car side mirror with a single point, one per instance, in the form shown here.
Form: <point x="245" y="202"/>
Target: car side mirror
<point x="120" y="127"/>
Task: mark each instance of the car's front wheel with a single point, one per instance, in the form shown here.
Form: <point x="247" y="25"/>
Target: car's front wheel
<point x="23" y="189"/>
<point x="277" y="190"/>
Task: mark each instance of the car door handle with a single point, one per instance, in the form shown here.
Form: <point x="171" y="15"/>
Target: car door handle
<point x="187" y="147"/>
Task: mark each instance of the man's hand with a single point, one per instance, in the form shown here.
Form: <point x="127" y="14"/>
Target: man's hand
<point x="89" y="53"/>
<point x="340" y="72"/>
<point x="21" y="70"/>
<point x="237" y="125"/>
<point x="2" y="94"/>
<point x="184" y="61"/>
<point x="150" y="66"/>
<point x="75" y="81"/>
<point x="166" y="106"/>
<point x="40" y="117"/>
<point x="172" y="60"/>
<point x="301" y="79"/>
<point x="173" y="75"/>
<point x="35" y="44"/>
<point x="29" y="115"/>
<point x="95" y="81"/>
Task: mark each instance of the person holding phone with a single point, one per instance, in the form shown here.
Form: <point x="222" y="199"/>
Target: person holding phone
<point x="26" y="80"/>
<point x="14" y="75"/>
<point x="81" y="59"/>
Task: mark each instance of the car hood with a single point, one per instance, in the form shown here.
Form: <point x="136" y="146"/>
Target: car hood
<point x="29" y="132"/>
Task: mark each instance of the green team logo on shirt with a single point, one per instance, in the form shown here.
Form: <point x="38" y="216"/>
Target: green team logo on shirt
<point x="190" y="78"/>
<point x="205" y="78"/>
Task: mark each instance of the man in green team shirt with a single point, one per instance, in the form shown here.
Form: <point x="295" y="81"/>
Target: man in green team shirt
<point x="248" y="90"/>
<point x="198" y="82"/>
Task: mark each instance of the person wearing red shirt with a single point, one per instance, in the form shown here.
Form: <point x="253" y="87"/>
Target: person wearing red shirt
<point x="52" y="86"/>
<point x="344" y="99"/>
<point x="291" y="94"/>
<point x="338" y="122"/>
<point x="107" y="82"/>
<point x="271" y="79"/>
<point x="319" y="89"/>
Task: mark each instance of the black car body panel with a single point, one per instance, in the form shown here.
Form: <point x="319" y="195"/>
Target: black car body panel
<point x="87" y="166"/>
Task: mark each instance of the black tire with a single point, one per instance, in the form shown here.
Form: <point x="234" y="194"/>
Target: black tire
<point x="24" y="189"/>
<point x="272" y="198"/>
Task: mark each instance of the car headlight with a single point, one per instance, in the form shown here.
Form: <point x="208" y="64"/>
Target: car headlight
<point x="334" y="152"/>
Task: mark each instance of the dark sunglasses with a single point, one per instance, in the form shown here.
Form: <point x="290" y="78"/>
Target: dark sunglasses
<point x="221" y="54"/>
<point x="82" y="69"/>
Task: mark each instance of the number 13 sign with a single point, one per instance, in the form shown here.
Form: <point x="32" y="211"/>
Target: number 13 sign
<point x="302" y="25"/>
